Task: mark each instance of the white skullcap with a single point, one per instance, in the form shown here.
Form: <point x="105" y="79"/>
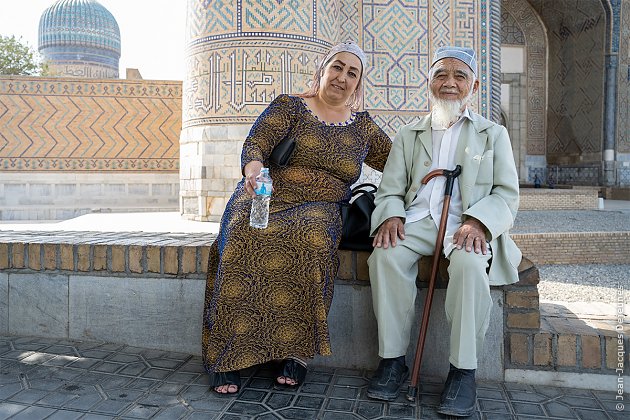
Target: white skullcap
<point x="466" y="55"/>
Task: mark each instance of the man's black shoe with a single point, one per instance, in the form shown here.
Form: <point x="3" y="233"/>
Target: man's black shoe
<point x="387" y="380"/>
<point x="460" y="393"/>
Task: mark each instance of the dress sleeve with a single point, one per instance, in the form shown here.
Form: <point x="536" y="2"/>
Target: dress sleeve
<point x="273" y="124"/>
<point x="379" y="143"/>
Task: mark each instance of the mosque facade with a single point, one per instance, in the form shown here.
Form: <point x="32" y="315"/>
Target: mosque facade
<point x="556" y="73"/>
<point x="80" y="38"/>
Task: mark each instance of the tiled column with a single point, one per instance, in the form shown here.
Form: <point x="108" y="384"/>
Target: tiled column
<point x="240" y="55"/>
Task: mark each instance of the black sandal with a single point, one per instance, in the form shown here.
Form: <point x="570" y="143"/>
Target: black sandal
<point x="292" y="369"/>
<point x="232" y="377"/>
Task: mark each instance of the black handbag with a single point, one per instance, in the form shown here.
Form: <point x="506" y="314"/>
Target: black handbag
<point x="281" y="154"/>
<point x="356" y="217"/>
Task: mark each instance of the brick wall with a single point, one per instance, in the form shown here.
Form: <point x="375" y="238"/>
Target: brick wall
<point x="152" y="260"/>
<point x="575" y="248"/>
<point x="72" y="124"/>
<point x="558" y="199"/>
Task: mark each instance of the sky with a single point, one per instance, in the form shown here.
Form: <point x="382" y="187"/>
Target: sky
<point x="151" y="32"/>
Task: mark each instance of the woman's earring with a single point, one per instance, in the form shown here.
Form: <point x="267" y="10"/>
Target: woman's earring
<point x="352" y="100"/>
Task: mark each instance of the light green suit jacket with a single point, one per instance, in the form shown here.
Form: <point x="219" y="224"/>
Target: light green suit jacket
<point x="488" y="184"/>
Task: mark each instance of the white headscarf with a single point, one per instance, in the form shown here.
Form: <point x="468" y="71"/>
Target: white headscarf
<point x="347" y="46"/>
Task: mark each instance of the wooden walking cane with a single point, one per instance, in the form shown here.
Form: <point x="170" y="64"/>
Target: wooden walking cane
<point x="424" y="324"/>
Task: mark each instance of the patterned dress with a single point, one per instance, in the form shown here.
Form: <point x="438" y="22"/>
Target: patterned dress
<point x="269" y="290"/>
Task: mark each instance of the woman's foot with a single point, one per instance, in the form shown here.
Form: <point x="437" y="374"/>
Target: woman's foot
<point x="292" y="372"/>
<point x="226" y="382"/>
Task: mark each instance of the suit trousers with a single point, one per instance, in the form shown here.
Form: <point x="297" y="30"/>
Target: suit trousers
<point x="393" y="273"/>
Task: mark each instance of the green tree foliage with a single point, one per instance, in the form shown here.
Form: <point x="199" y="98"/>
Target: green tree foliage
<point x="17" y="58"/>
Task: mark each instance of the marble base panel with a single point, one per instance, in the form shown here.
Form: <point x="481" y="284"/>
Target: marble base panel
<point x="38" y="304"/>
<point x="4" y="303"/>
<point x="61" y="196"/>
<point x="166" y="314"/>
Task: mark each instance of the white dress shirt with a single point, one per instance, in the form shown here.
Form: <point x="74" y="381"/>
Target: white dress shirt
<point x="430" y="197"/>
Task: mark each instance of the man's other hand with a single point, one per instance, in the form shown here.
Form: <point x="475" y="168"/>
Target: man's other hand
<point x="471" y="235"/>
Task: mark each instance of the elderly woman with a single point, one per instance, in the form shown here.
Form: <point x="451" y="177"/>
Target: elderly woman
<point x="269" y="290"/>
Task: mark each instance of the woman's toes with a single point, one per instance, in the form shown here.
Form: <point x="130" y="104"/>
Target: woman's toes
<point x="226" y="389"/>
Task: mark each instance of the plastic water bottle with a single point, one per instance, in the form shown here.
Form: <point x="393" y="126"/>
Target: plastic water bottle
<point x="259" y="216"/>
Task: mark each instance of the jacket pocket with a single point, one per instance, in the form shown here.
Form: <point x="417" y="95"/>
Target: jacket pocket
<point x="486" y="168"/>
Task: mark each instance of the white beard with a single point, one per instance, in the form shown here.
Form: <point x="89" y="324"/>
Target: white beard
<point x="446" y="112"/>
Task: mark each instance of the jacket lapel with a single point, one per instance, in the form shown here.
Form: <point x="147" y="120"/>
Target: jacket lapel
<point x="422" y="152"/>
<point x="470" y="149"/>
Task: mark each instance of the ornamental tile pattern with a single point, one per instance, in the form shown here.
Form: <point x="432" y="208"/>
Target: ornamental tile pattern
<point x="576" y="43"/>
<point x="57" y="124"/>
<point x="529" y="27"/>
<point x="244" y="53"/>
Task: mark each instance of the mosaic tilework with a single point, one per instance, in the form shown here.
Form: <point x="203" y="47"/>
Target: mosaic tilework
<point x="615" y="6"/>
<point x="350" y="20"/>
<point x="210" y="18"/>
<point x="399" y="55"/>
<point x="80" y="69"/>
<point x="575" y="175"/>
<point x="80" y="39"/>
<point x="397" y="83"/>
<point x="295" y="17"/>
<point x="243" y="54"/>
<point x="231" y="82"/>
<point x="576" y="36"/>
<point x="493" y="100"/>
<point x="511" y="33"/>
<point x="529" y="26"/>
<point x="54" y="124"/>
<point x="253" y="50"/>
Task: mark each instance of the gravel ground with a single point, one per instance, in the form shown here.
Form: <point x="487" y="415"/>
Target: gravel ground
<point x="579" y="282"/>
<point x="571" y="221"/>
<point x="584" y="282"/>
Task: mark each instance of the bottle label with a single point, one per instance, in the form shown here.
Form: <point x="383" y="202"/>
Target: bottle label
<point x="263" y="188"/>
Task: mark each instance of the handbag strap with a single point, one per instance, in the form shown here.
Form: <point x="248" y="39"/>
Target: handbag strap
<point x="365" y="187"/>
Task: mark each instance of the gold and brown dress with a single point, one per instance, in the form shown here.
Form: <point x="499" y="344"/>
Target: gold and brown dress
<point x="269" y="290"/>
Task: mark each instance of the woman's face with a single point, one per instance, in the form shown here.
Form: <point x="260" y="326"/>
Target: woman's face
<point x="341" y="77"/>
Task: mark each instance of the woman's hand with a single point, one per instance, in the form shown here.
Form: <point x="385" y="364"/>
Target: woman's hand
<point x="252" y="170"/>
<point x="389" y="232"/>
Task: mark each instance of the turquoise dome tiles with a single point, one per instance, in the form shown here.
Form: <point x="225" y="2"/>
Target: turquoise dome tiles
<point x="79" y="22"/>
<point x="80" y="38"/>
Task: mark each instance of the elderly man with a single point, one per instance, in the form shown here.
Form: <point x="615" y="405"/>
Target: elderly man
<point x="406" y="219"/>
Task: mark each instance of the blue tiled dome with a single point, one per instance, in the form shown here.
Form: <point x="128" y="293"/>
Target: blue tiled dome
<point x="84" y="24"/>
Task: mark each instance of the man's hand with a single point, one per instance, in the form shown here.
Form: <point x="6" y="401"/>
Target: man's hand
<point x="389" y="232"/>
<point x="252" y="170"/>
<point x="471" y="234"/>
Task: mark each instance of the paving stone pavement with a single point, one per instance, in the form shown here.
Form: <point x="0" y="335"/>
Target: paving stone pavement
<point x="43" y="378"/>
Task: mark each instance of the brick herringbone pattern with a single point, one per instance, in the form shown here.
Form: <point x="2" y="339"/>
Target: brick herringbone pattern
<point x="80" y="124"/>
